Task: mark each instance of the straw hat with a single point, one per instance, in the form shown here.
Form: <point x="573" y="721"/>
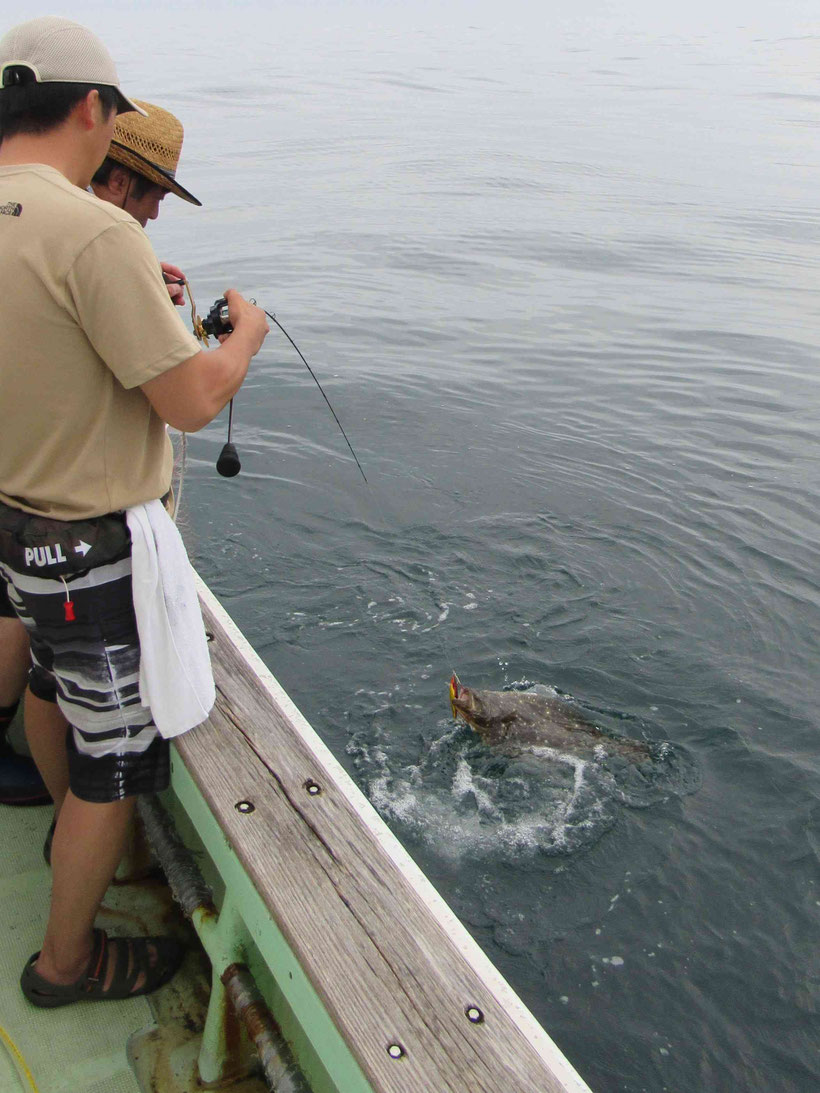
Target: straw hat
<point x="150" y="145"/>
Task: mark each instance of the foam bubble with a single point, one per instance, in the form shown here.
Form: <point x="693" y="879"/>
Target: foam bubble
<point x="460" y="798"/>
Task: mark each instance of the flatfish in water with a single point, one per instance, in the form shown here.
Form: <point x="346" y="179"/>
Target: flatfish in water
<point x="518" y="721"/>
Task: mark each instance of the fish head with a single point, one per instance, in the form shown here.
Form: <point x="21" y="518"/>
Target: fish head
<point x="468" y="705"/>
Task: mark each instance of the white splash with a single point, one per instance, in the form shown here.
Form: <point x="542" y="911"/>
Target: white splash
<point x="471" y="815"/>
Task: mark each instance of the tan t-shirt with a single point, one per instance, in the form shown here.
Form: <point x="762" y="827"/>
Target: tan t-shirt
<point x="86" y="318"/>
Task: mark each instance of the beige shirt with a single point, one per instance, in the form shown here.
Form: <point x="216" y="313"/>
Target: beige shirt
<point x="86" y="318"/>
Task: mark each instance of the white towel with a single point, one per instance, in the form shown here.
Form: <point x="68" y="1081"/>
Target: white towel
<point x="176" y="680"/>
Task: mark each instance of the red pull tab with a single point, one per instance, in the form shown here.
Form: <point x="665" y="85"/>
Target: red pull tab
<point x="69" y="611"/>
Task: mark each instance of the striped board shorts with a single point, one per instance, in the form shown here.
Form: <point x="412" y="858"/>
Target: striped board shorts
<point x="69" y="582"/>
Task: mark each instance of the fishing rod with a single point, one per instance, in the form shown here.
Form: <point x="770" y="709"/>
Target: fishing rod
<point x="217" y="322"/>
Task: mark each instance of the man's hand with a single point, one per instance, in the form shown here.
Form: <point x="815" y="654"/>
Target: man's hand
<point x="174" y="274"/>
<point x="247" y="320"/>
<point x="191" y="394"/>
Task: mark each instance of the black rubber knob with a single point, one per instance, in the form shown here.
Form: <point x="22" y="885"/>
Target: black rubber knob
<point x="228" y="463"/>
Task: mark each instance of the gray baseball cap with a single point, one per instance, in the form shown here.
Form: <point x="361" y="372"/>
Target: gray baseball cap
<point x="58" y="50"/>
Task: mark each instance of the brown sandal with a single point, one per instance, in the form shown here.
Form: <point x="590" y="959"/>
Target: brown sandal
<point x="133" y="958"/>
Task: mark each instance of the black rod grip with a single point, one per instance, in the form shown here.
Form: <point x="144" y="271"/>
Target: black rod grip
<point x="228" y="464"/>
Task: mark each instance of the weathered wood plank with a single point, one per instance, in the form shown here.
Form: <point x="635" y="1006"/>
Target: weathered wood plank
<point x="388" y="959"/>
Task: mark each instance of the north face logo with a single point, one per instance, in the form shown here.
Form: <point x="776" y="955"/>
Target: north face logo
<point x="13" y="208"/>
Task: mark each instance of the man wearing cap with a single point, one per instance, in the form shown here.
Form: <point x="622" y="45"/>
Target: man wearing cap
<point x="94" y="361"/>
<point x="137" y="173"/>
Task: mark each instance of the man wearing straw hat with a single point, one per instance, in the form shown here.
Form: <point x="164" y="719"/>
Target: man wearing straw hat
<point x="94" y="361"/>
<point x="140" y="169"/>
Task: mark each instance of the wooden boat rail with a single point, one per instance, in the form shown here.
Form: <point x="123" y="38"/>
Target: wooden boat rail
<point x="374" y="982"/>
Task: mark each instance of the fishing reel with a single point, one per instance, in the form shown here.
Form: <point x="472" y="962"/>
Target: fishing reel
<point x="217" y="321"/>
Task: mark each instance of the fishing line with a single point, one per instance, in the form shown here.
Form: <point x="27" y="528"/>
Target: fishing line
<point x="180" y="468"/>
<point x="324" y="396"/>
<point x="218" y="322"/>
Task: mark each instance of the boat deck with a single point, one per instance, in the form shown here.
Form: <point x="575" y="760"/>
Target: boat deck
<point x="117" y="1047"/>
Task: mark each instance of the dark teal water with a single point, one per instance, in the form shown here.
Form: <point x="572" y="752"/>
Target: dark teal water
<point x="558" y="276"/>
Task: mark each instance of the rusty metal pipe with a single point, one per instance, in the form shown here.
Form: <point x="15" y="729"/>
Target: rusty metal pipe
<point x="195" y="897"/>
<point x="277" y="1063"/>
<point x="186" y="882"/>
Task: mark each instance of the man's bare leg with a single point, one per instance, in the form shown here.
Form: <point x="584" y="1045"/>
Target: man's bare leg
<point x="14" y="660"/>
<point x="46" y="729"/>
<point x="88" y="845"/>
